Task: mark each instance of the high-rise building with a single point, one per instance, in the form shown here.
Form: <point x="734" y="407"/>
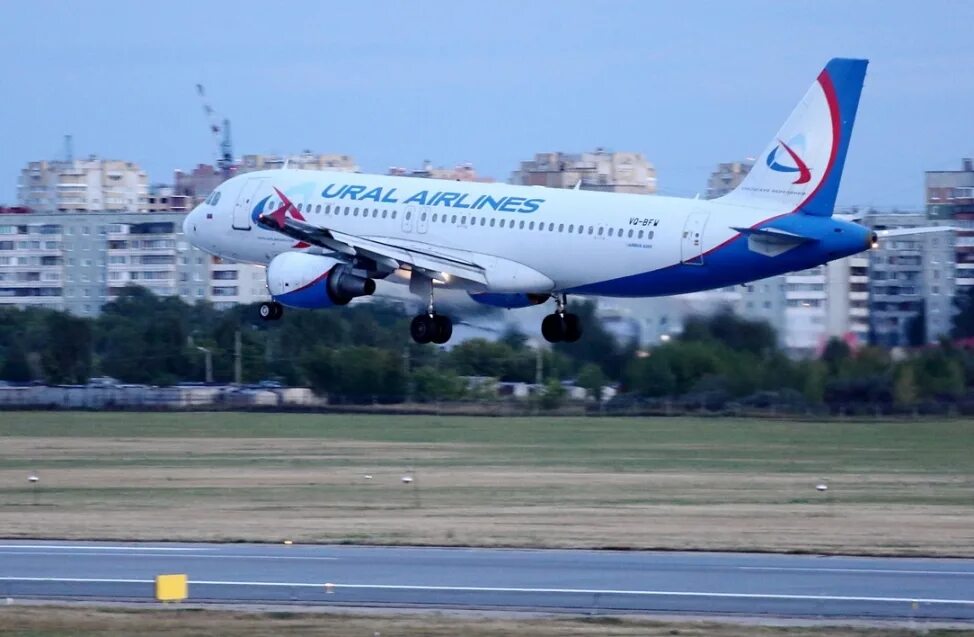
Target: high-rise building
<point x="462" y="172"/>
<point x="911" y="282"/>
<point x="727" y="177"/>
<point x="950" y="196"/>
<point x="79" y="261"/>
<point x="305" y="161"/>
<point x="197" y="183"/>
<point x="599" y="170"/>
<point x="809" y="307"/>
<point x="83" y="185"/>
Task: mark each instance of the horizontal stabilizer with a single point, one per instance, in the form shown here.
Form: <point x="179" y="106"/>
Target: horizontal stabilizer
<point x="770" y="241"/>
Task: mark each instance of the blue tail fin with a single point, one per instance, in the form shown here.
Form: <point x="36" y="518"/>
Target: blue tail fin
<point x="802" y="166"/>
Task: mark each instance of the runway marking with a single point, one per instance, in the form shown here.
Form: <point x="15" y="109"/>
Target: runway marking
<point x="66" y="547"/>
<point x="152" y="553"/>
<point x="893" y="571"/>
<point x="499" y="589"/>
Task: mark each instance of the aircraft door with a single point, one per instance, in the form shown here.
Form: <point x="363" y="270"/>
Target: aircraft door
<point x="407" y="218"/>
<point x="242" y="208"/>
<point x="691" y="244"/>
<point x="423" y="220"/>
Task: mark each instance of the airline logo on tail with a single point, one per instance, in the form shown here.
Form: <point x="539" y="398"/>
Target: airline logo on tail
<point x="796" y="163"/>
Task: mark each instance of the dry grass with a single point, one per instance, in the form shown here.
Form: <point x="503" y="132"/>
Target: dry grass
<point x="65" y="621"/>
<point x="563" y="486"/>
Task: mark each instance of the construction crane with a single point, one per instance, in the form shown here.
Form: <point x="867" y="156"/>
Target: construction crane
<point x="221" y="135"/>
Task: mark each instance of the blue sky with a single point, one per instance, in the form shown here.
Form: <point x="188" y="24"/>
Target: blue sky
<point x="688" y="84"/>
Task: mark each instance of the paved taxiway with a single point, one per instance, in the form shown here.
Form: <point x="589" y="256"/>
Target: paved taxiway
<point x="546" y="580"/>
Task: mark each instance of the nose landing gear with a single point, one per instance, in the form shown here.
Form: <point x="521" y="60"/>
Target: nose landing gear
<point x="561" y="326"/>
<point x="270" y="311"/>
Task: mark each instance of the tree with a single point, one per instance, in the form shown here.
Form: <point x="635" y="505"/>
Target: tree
<point x="904" y="386"/>
<point x="592" y="379"/>
<point x="835" y="354"/>
<point x="552" y="395"/>
<point x="964" y="317"/>
<point x="15" y="367"/>
<point x="66" y="357"/>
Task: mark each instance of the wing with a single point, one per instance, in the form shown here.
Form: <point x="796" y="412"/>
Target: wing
<point x="416" y="257"/>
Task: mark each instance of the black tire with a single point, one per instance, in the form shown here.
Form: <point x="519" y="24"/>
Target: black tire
<point x="573" y="328"/>
<point x="553" y="328"/>
<point x="442" y="329"/>
<point x="267" y="311"/>
<point x="278" y="311"/>
<point x="421" y="329"/>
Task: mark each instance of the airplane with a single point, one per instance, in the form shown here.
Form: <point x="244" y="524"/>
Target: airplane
<point x="326" y="237"/>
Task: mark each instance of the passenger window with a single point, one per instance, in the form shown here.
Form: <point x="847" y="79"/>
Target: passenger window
<point x="328" y="209"/>
<point x="434" y="217"/>
<point x="318" y="209"/>
<point x="355" y="212"/>
<point x="652" y="233"/>
<point x="551" y="227"/>
<point x="483" y="221"/>
<point x="600" y="231"/>
<point x="571" y="227"/>
<point x="394" y="213"/>
<point x="347" y="210"/>
<point x="591" y="229"/>
<point x="630" y="234"/>
<point x="610" y="232"/>
<point x="299" y="207"/>
<point x="531" y="226"/>
<point x="522" y="225"/>
<point x="422" y="217"/>
<point x="463" y="220"/>
<point x="561" y="227"/>
<point x="492" y="221"/>
<point x="640" y="234"/>
<point x="384" y="213"/>
<point x="409" y="215"/>
<point x="454" y="219"/>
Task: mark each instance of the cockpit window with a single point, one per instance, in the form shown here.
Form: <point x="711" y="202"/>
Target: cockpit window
<point x="214" y="198"/>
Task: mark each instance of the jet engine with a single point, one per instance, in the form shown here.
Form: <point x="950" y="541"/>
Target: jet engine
<point x="312" y="281"/>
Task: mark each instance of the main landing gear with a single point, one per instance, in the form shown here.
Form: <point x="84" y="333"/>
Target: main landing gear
<point x="270" y="311"/>
<point x="561" y="326"/>
<point x="431" y="327"/>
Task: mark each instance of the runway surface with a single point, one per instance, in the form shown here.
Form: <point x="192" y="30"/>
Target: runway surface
<point x="537" y="580"/>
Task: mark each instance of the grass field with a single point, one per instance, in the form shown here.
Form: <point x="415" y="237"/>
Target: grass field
<point x="64" y="622"/>
<point x="894" y="487"/>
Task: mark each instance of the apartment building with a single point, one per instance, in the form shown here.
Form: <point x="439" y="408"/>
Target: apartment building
<point x="83" y="185"/>
<point x="79" y="261"/>
<point x="305" y="161"/>
<point x="950" y="198"/>
<point x="599" y="170"/>
<point x="727" y="177"/>
<point x="461" y="172"/>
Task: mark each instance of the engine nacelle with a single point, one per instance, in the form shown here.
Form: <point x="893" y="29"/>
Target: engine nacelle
<point x="509" y="301"/>
<point x="298" y="279"/>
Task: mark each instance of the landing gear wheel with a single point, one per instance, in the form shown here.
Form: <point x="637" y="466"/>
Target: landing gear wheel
<point x="270" y="311"/>
<point x="553" y="328"/>
<point x="573" y="328"/>
<point x="442" y="329"/>
<point x="421" y="329"/>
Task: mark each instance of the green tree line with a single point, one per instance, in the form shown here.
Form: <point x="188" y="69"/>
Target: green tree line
<point x="362" y="353"/>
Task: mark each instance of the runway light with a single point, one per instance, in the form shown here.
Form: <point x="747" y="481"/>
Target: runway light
<point x="288" y="542"/>
<point x="367" y="476"/>
<point x="407" y="479"/>
<point x="33" y="479"/>
<point x="821" y="487"/>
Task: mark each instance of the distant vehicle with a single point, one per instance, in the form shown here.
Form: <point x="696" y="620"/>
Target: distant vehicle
<point x="103" y="381"/>
<point x="326" y="237"/>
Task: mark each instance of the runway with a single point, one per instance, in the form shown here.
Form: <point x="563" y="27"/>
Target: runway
<point x="576" y="581"/>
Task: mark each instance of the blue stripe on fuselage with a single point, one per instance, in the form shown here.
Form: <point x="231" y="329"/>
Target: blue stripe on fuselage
<point x="734" y="263"/>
